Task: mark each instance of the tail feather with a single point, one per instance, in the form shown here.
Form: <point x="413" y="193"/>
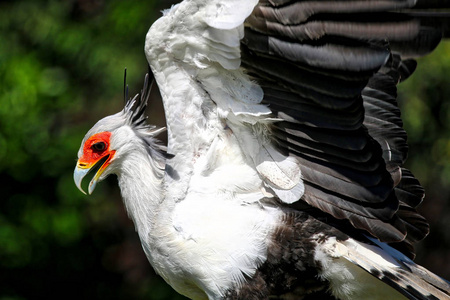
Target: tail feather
<point x="374" y="270"/>
<point x="397" y="270"/>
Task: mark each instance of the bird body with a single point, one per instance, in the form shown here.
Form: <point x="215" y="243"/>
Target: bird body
<point x="241" y="205"/>
<point x="210" y="243"/>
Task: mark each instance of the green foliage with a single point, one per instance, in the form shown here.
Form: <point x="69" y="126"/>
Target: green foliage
<point x="426" y="113"/>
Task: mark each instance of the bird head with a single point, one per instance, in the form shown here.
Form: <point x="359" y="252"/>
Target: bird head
<point x="112" y="138"/>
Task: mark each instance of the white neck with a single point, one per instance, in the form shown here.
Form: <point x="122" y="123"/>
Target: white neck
<point x="140" y="182"/>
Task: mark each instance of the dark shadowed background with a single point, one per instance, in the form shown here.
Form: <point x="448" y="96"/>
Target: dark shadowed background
<point x="61" y="69"/>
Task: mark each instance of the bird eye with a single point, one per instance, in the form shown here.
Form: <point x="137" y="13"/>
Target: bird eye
<point x="100" y="146"/>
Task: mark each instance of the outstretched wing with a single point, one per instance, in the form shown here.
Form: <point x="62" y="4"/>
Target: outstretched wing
<point x="310" y="80"/>
<point x="337" y="65"/>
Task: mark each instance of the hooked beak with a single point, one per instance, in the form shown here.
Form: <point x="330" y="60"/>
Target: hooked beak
<point x="83" y="168"/>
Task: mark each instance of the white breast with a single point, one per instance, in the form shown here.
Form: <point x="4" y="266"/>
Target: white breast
<point x="224" y="241"/>
<point x="220" y="230"/>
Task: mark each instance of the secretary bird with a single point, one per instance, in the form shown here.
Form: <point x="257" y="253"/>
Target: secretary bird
<point x="283" y="176"/>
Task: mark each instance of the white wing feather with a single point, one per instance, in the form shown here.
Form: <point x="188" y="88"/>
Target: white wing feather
<point x="195" y="55"/>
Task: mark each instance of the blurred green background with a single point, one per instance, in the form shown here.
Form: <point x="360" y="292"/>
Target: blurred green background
<point x="61" y="69"/>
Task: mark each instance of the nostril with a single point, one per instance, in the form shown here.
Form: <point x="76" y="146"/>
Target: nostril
<point x="81" y="165"/>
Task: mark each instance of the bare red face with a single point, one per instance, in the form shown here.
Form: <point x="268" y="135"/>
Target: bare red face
<point x="95" y="148"/>
<point x="96" y="151"/>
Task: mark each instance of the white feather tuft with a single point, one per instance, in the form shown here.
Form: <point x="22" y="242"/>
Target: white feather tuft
<point x="228" y="14"/>
<point x="348" y="281"/>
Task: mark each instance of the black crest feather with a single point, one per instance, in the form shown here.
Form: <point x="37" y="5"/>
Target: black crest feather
<point x="135" y="107"/>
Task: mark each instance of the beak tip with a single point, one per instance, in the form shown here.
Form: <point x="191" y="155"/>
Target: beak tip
<point x="82" y="190"/>
<point x="78" y="176"/>
<point x="92" y="185"/>
<point x="78" y="184"/>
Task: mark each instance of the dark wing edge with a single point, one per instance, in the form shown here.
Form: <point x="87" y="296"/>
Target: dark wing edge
<point x="330" y="72"/>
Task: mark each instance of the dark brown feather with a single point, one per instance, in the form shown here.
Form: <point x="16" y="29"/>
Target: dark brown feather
<point x="336" y="66"/>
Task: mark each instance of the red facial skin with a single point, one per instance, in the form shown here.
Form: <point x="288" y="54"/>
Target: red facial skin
<point x="91" y="155"/>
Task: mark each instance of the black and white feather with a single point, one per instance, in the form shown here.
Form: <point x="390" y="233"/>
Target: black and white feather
<point x="286" y="176"/>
